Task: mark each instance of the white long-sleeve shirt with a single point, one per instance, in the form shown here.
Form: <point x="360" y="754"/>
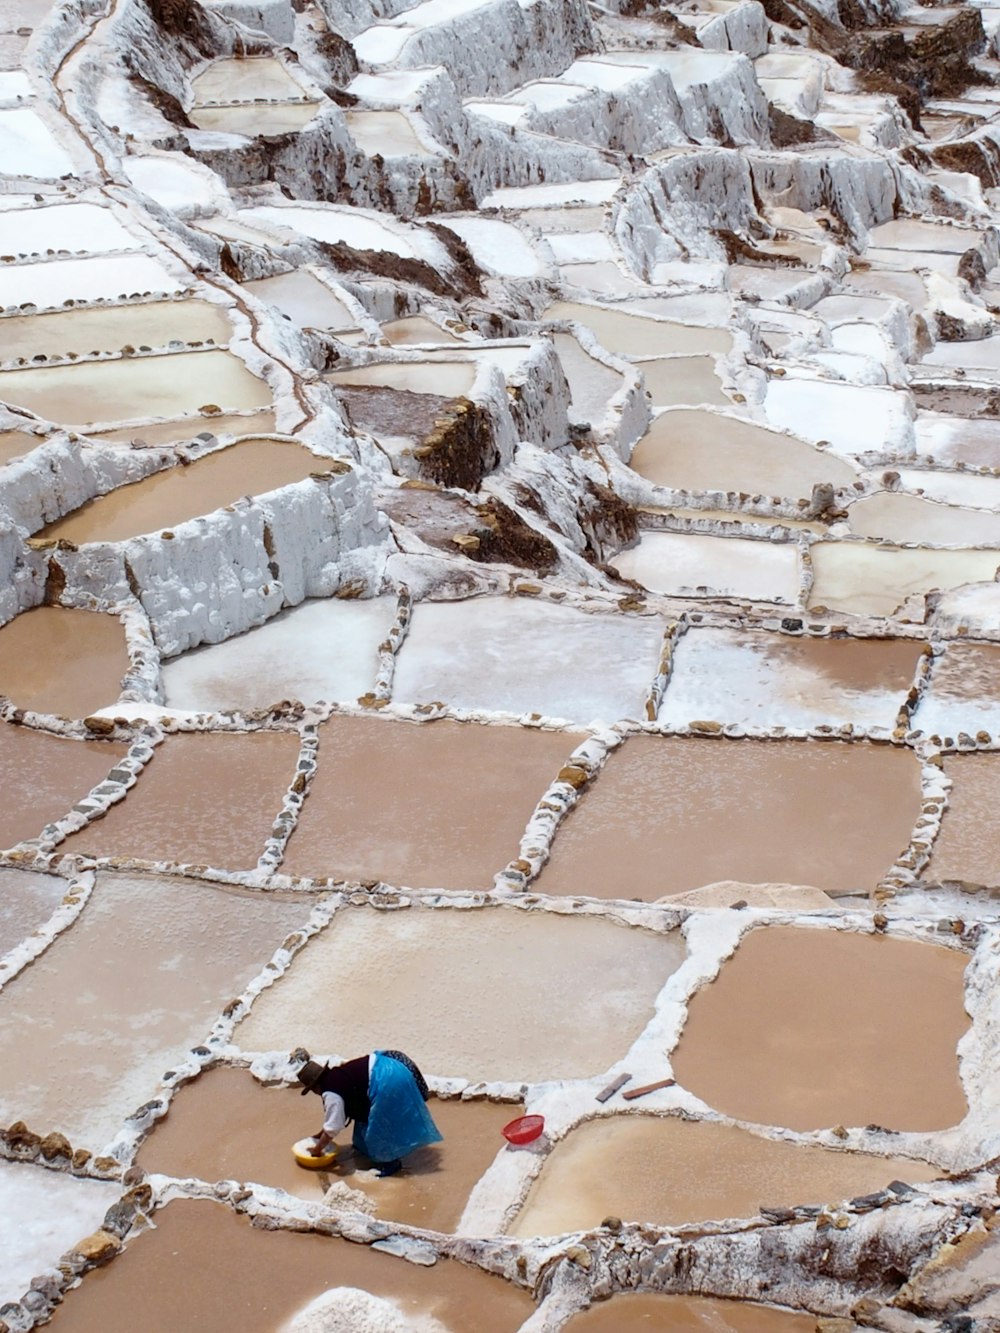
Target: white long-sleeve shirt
<point x="333" y="1107"/>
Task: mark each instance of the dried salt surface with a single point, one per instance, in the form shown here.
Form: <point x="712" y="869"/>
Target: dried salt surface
<point x="42" y="776"/>
<point x="767" y="680"/>
<point x="110" y="328"/>
<point x="591" y="383"/>
<point x="966" y="847"/>
<point x="172" y="953"/>
<point x="205" y="798"/>
<point x="671" y="1171"/>
<point x="244" y="79"/>
<point x="54" y="659"/>
<point x="27" y="900"/>
<point x="493" y="994"/>
<point x="224" y="1125"/>
<point x="387" y="132"/>
<point x="204" y="1267"/>
<point x="42" y="1214"/>
<point x="83" y="279"/>
<point x="177" y="494"/>
<point x="232" y="425"/>
<point x="826" y="814"/>
<point x="438" y="806"/>
<point x="852" y="418"/>
<point x="497" y="247"/>
<point x="33" y="231"/>
<point x="516" y="656"/>
<point x="324" y="649"/>
<point x="690" y="563"/>
<point x="29" y="148"/>
<point x="877" y="580"/>
<point x="353" y="227"/>
<point x="868" y="1024"/>
<point x="686" y="1314"/>
<point x="964" y="692"/>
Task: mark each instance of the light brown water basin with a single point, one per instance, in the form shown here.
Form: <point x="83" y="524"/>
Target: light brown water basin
<point x="448" y="379"/>
<point x="912" y="518"/>
<point x="176" y="432"/>
<point x="244" y="78"/>
<point x="633" y="335"/>
<point x="828" y="814"/>
<point x="812" y="1028"/>
<point x="442" y="806"/>
<point x="686" y="1314"/>
<point x="388" y="133"/>
<point x="670" y="1171"/>
<point x="205" y="1268"/>
<point x="177" y="494"/>
<point x="17" y="443"/>
<point x="41" y="777"/>
<point x="27" y="900"/>
<point x="205" y="798"/>
<point x="58" y="660"/>
<point x="134" y="389"/>
<point x="253" y="120"/>
<point x="490" y="994"/>
<point x="304" y="299"/>
<point x="706" y="451"/>
<point x="226" y="1126"/>
<point x="675" y="380"/>
<point x="415" y="329"/>
<point x="966" y="848"/>
<point x="110" y="328"/>
<point x="877" y="580"/>
<point x="172" y="953"/>
<point x="964" y="692"/>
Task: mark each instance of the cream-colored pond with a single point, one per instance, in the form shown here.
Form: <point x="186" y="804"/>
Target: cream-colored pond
<point x="43" y="776"/>
<point x="491" y="994"/>
<point x="877" y="580"/>
<point x="27" y="900"/>
<point x="304" y="299"/>
<point x="814" y="1028"/>
<point x="706" y="451"/>
<point x="387" y="133"/>
<point x="172" y="953"/>
<point x="670" y="1171"/>
<point x="912" y="518"/>
<point x="966" y="848"/>
<point x="134" y="389"/>
<point x="253" y="119"/>
<point x="177" y="494"/>
<point x="634" y="335"/>
<point x="416" y="329"/>
<point x="58" y="660"/>
<point x="16" y="443"/>
<point x="449" y="379"/>
<point x="689" y="563"/>
<point x="244" y="80"/>
<point x="673" y="380"/>
<point x="829" y="814"/>
<point x="219" y="424"/>
<point x="110" y="328"/>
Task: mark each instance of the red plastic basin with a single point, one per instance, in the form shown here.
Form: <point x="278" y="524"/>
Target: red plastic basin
<point x="524" y="1129"/>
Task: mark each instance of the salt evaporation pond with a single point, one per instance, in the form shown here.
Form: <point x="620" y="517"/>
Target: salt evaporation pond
<point x="208" y="798"/>
<point x="670" y="1171"/>
<point x="639" y="1312"/>
<point x="322" y="649"/>
<point x="27" y="900"/>
<point x="964" y="692"/>
<point x="224" y="1125"/>
<point x="449" y="379"/>
<point x="672" y="380"/>
<point x="304" y="299"/>
<point x="491" y="994"/>
<point x="695" y="451"/>
<point x="498" y="247"/>
<point x="51" y="284"/>
<point x="516" y="656"/>
<point x="814" y="1028"/>
<point x="966" y="848"/>
<point x="77" y="227"/>
<point x="671" y="563"/>
<point x="912" y="518"/>
<point x="853" y="418"/>
<point x="415" y="329"/>
<point x="768" y="680"/>
<point x="827" y="814"/>
<point x="253" y="119"/>
<point x="238" y="425"/>
<point x="42" y="777"/>
<point x="134" y="388"/>
<point x="635" y="335"/>
<point x="442" y="805"/>
<point x="110" y="328"/>
<point x="15" y="444"/>
<point x="204" y="1267"/>
<point x="591" y="383"/>
<point x="244" y="78"/>
<point x="177" y="494"/>
<point x="388" y="133"/>
<point x="42" y="1214"/>
<point x="877" y="580"/>
<point x="173" y="952"/>
<point x="55" y="659"/>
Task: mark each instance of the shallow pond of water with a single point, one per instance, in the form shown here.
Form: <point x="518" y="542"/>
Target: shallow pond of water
<point x="244" y="79"/>
<point x="239" y="425"/>
<point x="110" y="328"/>
<point x="92" y="279"/>
<point x="633" y="335"/>
<point x="27" y="900"/>
<point x="43" y="776"/>
<point x="255" y="119"/>
<point x="591" y="383"/>
<point x="674" y="380"/>
<point x="877" y="580"/>
<point x="964" y="692"/>
<point x="686" y="1314"/>
<point x="447" y="379"/>
<point x="388" y="133"/>
<point x="304" y="299"/>
<point x="966" y="848"/>
<point x="689" y="563"/>
<point x="912" y="518"/>
<point x="54" y="659"/>
<point x="416" y="329"/>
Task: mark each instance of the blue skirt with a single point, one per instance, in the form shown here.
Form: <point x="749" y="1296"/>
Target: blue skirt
<point x="398" y="1122"/>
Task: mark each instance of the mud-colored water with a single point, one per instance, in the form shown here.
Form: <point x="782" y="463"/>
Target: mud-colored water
<point x="172" y="953"/>
<point x="415" y="329"/>
<point x="822" y="813"/>
<point x="686" y="1314"/>
<point x="492" y="994"/>
<point x="448" y="379"/>
<point x="671" y="1171"/>
<point x="15" y="444"/>
<point x="441" y="806"/>
<point x="226" y="1126"/>
<point x="877" y="580"/>
<point x="966" y="848"/>
<point x="814" y="1028"/>
<point x="42" y="776"/>
<point x="27" y="900"/>
<point x="205" y="1268"/>
<point x="683" y="379"/>
<point x="171" y="497"/>
<point x="205" y="798"/>
<point x="706" y="451"/>
<point x="58" y="660"/>
<point x="632" y="335"/>
<point x="110" y="328"/>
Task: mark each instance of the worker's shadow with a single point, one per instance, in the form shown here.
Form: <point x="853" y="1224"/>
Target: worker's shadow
<point x="425" y="1161"/>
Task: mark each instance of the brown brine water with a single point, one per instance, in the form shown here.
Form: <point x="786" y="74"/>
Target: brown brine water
<point x="54" y="659"/>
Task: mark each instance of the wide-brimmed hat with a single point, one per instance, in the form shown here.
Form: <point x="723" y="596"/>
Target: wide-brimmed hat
<point x="310" y="1074"/>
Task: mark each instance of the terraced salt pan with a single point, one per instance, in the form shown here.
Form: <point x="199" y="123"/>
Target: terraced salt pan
<point x="415" y="329"/>
<point x="110" y="328"/>
<point x="919" y="235"/>
<point x="208" y="799"/>
<point x="877" y="580"/>
<point x="670" y="1171"/>
<point x="252" y="120"/>
<point x="133" y="389"/>
<point x="852" y="418"/>
<point x="324" y="649"/>
<point x="693" y="450"/>
<point x="353" y="227"/>
<point x="591" y="383"/>
<point x="832" y="815"/>
<point x="245" y="79"/>
<point x="954" y="488"/>
<point x="238" y="425"/>
<point x="172" y="953"/>
<point x="813" y="1028"/>
<point x="72" y="227"/>
<point x="447" y="379"/>
<point x="42" y="1214"/>
<point x="15" y="444"/>
<point x="911" y="518"/>
<point x="966" y="849"/>
<point x="675" y="380"/>
<point x="491" y="994"/>
<point x="983" y="354"/>
<point x="964" y="692"/>
<point x="204" y="1266"/>
<point x="226" y="1126"/>
<point x="177" y="494"/>
<point x="524" y="657"/>
<point x="96" y="279"/>
<point x="952" y="440"/>
<point x="174" y="182"/>
<point x="54" y="659"/>
<point x="603" y="279"/>
<point x="304" y="299"/>
<point x="29" y="148"/>
<point x="686" y="1314"/>
<point x="497" y="247"/>
<point x="441" y="806"/>
<point x="27" y="900"/>
<point x="669" y="562"/>
<point x="633" y="335"/>
<point x="43" y="776"/>
<point x="389" y="133"/>
<point x="769" y="680"/>
<point x="548" y="94"/>
<point x="554" y="194"/>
